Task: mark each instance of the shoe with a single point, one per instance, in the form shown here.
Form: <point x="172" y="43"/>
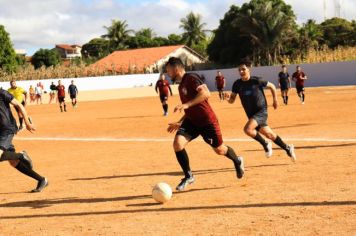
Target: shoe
<point x="165" y="114"/>
<point x="40" y="186"/>
<point x="291" y="153"/>
<point x="269" y="150"/>
<point x="185" y="182"/>
<point x="302" y="103"/>
<point x="20" y="128"/>
<point x="26" y="159"/>
<point x="240" y="167"/>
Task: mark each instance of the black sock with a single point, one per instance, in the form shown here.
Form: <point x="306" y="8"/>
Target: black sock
<point x="286" y="99"/>
<point x="26" y="171"/>
<point x="261" y="140"/>
<point x="61" y="108"/>
<point x="232" y="155"/>
<point x="21" y="121"/>
<point x="303" y="97"/>
<point x="65" y="107"/>
<point x="7" y="156"/>
<point x="280" y="143"/>
<point x="165" y="107"/>
<point x="183" y="160"/>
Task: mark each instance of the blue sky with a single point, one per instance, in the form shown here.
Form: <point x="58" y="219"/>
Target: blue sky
<point x="42" y="24"/>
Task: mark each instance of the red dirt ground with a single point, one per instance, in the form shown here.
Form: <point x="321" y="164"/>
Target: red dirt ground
<point x="104" y="187"/>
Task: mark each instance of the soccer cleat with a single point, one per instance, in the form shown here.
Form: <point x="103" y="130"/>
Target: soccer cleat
<point x="269" y="150"/>
<point x="40" y="186"/>
<point x="291" y="153"/>
<point x="185" y="182"/>
<point x="240" y="168"/>
<point x="26" y="159"/>
<point x="165" y="114"/>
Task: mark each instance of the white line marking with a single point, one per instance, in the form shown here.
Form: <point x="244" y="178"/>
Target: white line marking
<point x="159" y="140"/>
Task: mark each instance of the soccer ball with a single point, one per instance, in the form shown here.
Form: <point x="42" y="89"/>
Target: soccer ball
<point x="162" y="192"/>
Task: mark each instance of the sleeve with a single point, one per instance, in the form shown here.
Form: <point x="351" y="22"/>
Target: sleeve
<point x="235" y="87"/>
<point x="194" y="82"/>
<point x="8" y="97"/>
<point x="262" y="83"/>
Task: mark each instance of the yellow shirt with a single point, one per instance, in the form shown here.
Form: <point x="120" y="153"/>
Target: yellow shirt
<point x="17" y="93"/>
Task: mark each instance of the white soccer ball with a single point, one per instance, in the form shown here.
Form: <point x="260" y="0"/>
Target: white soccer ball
<point x="162" y="192"/>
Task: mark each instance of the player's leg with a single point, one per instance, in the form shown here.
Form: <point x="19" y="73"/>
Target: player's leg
<point x="268" y="132"/>
<point x="184" y="135"/>
<point x="251" y="129"/>
<point x="212" y="136"/>
<point x="164" y="99"/>
<point x="303" y="95"/>
<point x="60" y="103"/>
<point x="286" y="94"/>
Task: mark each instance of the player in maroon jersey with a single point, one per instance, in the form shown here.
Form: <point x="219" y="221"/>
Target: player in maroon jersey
<point x="61" y="93"/>
<point x="199" y="119"/>
<point x="163" y="88"/>
<point x="220" y="84"/>
<point x="299" y="77"/>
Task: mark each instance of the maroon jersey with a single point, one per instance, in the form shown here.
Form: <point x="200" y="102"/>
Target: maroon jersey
<point x="220" y="81"/>
<point x="163" y="87"/>
<point x="299" y="76"/>
<point x="201" y="114"/>
<point x="61" y="91"/>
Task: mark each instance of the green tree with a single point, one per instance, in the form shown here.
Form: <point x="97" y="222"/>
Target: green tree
<point x="96" y="48"/>
<point x="118" y="34"/>
<point x="45" y="57"/>
<point x="338" y="32"/>
<point x="8" y="60"/>
<point x="174" y="39"/>
<point x="194" y="31"/>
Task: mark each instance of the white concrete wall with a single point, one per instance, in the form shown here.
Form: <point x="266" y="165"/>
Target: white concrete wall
<point x="322" y="74"/>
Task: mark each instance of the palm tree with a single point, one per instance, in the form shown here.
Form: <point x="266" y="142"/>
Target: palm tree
<point x="268" y="27"/>
<point x="117" y="34"/>
<point x="194" y="31"/>
<point x="146" y="32"/>
<point x="310" y="35"/>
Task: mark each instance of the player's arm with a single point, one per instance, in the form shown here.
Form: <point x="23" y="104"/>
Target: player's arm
<point x="172" y="127"/>
<point x="25" y="94"/>
<point x="170" y="90"/>
<point x="203" y="94"/>
<point x="230" y="98"/>
<point x="224" y="83"/>
<point x="76" y="90"/>
<point x="304" y="77"/>
<point x="22" y="110"/>
<point x="274" y="94"/>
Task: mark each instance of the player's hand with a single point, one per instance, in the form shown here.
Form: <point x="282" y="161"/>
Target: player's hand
<point x="30" y="128"/>
<point x="172" y="127"/>
<point x="181" y="107"/>
<point x="226" y="96"/>
<point x="275" y="104"/>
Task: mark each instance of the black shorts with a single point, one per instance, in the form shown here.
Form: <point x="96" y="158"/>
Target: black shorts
<point x="220" y="89"/>
<point x="299" y="89"/>
<point x="61" y="99"/>
<point x="284" y="87"/>
<point x="73" y="96"/>
<point x="211" y="133"/>
<point x="163" y="98"/>
<point x="261" y="118"/>
<point x="23" y="104"/>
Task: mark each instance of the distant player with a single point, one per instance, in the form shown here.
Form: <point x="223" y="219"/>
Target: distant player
<point x="299" y="77"/>
<point x="220" y="85"/>
<point x="250" y="90"/>
<point x="73" y="93"/>
<point x="52" y="92"/>
<point x="163" y="88"/>
<point x="61" y="93"/>
<point x="21" y="161"/>
<point x="284" y="83"/>
<point x="199" y="119"/>
<point x="21" y="96"/>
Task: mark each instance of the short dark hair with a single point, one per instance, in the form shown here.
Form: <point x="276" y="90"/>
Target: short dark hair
<point x="175" y="61"/>
<point x="247" y="62"/>
<point x="284" y="66"/>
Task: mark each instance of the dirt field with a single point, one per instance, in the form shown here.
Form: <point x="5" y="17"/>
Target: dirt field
<point x="103" y="158"/>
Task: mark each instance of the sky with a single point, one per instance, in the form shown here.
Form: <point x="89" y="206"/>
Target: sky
<point x="39" y="24"/>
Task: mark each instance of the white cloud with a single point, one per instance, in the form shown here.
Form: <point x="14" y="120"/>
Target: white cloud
<point x="36" y="23"/>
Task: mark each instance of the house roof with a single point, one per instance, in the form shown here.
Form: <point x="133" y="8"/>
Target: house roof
<point x="64" y="46"/>
<point x="138" y="58"/>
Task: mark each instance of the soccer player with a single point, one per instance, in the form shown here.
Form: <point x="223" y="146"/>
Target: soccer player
<point x="299" y="77"/>
<point x="220" y="85"/>
<point x="21" y="161"/>
<point x="61" y="95"/>
<point x="199" y="119"/>
<point x="73" y="92"/>
<point x="250" y="90"/>
<point x="21" y="96"/>
<point x="284" y="83"/>
<point x="52" y="92"/>
<point x="163" y="88"/>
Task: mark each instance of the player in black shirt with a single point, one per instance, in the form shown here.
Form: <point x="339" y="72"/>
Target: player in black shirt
<point x="8" y="128"/>
<point x="284" y="83"/>
<point x="73" y="92"/>
<point x="250" y="90"/>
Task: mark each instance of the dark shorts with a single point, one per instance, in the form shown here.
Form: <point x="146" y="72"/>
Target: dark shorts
<point x="299" y="88"/>
<point x="284" y="87"/>
<point x="163" y="98"/>
<point x="211" y="133"/>
<point x="220" y="89"/>
<point x="261" y="118"/>
<point x="61" y="99"/>
<point x="23" y="104"/>
<point x="73" y="96"/>
<point x="6" y="142"/>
